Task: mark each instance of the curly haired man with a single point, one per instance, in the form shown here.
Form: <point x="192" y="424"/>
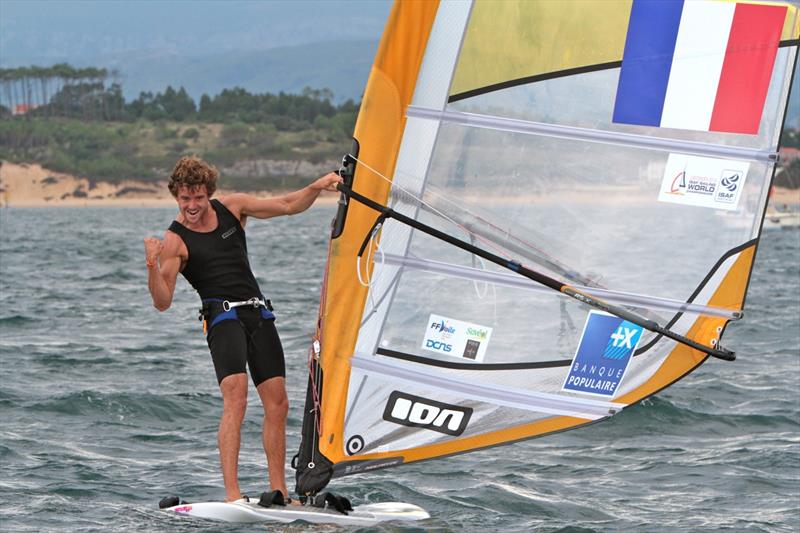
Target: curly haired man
<point x="206" y="244"/>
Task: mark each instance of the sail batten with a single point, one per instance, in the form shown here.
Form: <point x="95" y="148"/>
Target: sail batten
<point x="585" y="134"/>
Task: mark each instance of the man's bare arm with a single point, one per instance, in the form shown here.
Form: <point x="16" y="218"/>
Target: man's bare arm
<point x="244" y="205"/>
<point x="163" y="259"/>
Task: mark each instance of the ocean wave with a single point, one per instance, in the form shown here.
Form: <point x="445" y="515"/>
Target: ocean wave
<point x="659" y="416"/>
<point x="17" y="320"/>
<point x="162" y="407"/>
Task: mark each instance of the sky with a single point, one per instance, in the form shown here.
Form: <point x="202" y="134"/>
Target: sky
<point x="204" y="46"/>
<point x="74" y="30"/>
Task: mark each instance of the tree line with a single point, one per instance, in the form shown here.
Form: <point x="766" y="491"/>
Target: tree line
<point x="94" y="94"/>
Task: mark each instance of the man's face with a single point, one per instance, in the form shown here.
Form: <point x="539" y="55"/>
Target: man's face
<point x="193" y="203"/>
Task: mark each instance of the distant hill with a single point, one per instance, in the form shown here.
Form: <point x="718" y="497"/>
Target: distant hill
<point x="275" y="45"/>
<point x="342" y="67"/>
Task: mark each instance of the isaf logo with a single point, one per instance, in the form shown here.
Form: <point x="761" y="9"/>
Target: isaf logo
<point x="730" y="181"/>
<point x="729" y="185"/>
<point x="415" y="411"/>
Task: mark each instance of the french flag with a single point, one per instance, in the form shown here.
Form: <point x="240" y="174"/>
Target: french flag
<point x="698" y="64"/>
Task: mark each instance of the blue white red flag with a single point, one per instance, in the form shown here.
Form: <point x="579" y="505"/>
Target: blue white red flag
<point x="699" y="65"/>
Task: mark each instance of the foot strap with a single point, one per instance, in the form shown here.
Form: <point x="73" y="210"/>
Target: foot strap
<point x="331" y="500"/>
<point x="268" y="499"/>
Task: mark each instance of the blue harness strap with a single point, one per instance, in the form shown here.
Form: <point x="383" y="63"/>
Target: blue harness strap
<point x="225" y="315"/>
<point x="230" y="314"/>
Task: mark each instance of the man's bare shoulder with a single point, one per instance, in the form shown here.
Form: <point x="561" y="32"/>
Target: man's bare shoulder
<point x="174" y="245"/>
<point x="236" y="200"/>
<point x="240" y="204"/>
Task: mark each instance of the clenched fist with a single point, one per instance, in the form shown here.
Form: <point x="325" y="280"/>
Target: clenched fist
<point x="152" y="249"/>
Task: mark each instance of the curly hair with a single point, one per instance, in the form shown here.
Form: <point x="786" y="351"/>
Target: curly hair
<point x="193" y="172"/>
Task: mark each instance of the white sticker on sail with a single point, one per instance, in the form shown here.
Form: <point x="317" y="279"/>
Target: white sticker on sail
<point x="456" y="338"/>
<point x="703" y="181"/>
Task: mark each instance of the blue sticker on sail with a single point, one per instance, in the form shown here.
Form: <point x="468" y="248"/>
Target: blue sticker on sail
<point x="606" y="347"/>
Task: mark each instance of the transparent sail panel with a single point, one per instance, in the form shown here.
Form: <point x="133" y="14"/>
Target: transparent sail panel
<point x="585" y="212"/>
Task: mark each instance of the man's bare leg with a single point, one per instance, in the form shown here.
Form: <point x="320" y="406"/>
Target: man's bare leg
<point x="273" y="434"/>
<point x="234" y="397"/>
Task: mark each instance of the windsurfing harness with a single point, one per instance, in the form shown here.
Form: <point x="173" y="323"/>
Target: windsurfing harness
<point x="215" y="310"/>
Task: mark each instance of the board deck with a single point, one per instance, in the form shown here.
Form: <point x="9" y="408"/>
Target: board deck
<point x="249" y="512"/>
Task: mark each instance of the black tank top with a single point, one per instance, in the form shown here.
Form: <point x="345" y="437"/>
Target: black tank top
<point x="218" y="267"/>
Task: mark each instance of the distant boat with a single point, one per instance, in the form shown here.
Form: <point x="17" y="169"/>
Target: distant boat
<point x="784" y="219"/>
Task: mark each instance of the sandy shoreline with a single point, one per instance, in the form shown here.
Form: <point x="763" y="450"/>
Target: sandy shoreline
<point x="35" y="186"/>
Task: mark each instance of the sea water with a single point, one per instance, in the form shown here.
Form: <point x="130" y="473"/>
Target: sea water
<point x="107" y="405"/>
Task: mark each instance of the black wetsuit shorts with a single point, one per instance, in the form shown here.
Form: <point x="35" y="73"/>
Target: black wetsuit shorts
<point x="250" y="340"/>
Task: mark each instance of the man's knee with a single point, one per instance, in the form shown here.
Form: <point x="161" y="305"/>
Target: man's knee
<point x="281" y="406"/>
<point x="277" y="404"/>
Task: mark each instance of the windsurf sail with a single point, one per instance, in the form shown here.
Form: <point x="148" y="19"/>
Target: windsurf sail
<point x="529" y="238"/>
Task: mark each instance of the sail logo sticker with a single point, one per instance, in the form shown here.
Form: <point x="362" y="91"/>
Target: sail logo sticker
<point x="606" y="347"/>
<point x="729" y="186"/>
<point x="703" y="181"/>
<point x="456" y="338"/>
<point x="414" y="411"/>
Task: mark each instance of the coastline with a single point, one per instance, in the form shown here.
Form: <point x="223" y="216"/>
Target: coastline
<point x="31" y="185"/>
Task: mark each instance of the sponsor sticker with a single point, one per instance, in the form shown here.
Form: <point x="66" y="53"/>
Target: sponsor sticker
<point x="606" y="347"/>
<point x="415" y="411"/>
<point x="703" y="181"/>
<point x="456" y="338"/>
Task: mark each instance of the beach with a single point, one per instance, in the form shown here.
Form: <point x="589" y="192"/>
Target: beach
<point x="31" y="185"/>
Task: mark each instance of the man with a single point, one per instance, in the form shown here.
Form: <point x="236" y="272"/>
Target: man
<point x="206" y="243"/>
